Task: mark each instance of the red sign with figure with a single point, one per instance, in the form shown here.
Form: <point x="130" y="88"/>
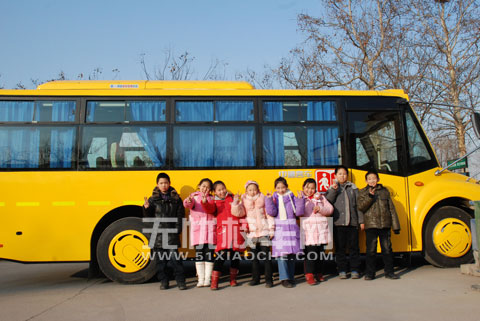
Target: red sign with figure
<point x="324" y="178"/>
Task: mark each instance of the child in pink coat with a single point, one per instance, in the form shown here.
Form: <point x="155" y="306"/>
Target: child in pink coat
<point x="315" y="230"/>
<point x="261" y="229"/>
<point x="203" y="234"/>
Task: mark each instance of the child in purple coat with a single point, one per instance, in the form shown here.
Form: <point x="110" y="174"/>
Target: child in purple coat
<point x="285" y="207"/>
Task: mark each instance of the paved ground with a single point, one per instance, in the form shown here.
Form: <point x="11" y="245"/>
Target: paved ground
<point x="63" y="292"/>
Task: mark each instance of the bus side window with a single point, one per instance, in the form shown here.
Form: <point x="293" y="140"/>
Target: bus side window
<point x="376" y="137"/>
<point x="97" y="149"/>
<point x="117" y="156"/>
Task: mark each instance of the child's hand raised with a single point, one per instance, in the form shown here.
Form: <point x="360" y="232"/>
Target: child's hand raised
<point x="269" y="194"/>
<point x="236" y="198"/>
<point x="204" y="198"/>
<point x="146" y="204"/>
<point x="371" y="190"/>
<point x="300" y="194"/>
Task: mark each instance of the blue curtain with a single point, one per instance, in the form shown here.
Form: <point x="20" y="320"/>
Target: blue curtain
<point x="62" y="142"/>
<point x="193" y="147"/>
<point x="147" y="110"/>
<point x="321" y="110"/>
<point x="91" y="106"/>
<point x="194" y="111"/>
<point x="20" y="147"/>
<point x="17" y="111"/>
<point x="322" y="146"/>
<point x="63" y="111"/>
<point x="234" y="147"/>
<point x="234" y="110"/>
<point x="273" y="147"/>
<point x="273" y="111"/>
<point x="154" y="140"/>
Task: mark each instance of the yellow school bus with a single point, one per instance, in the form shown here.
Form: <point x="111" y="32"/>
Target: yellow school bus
<point x="77" y="159"/>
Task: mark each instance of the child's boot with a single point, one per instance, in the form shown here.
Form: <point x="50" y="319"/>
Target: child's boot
<point x="215" y="277"/>
<point x="233" y="277"/>
<point x="320" y="277"/>
<point x="200" y="266"/>
<point x="208" y="273"/>
<point x="255" y="273"/>
<point x="310" y="279"/>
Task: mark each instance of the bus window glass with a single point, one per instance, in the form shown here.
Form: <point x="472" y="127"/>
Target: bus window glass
<point x="294" y="111"/>
<point x="194" y="111"/>
<point x="145" y="110"/>
<point x="41" y="147"/>
<point x="105" y="111"/>
<point x="16" y="111"/>
<point x="123" y="147"/>
<point x="42" y="111"/>
<point x="234" y="111"/>
<point x="232" y="146"/>
<point x="55" y="111"/>
<point x="416" y="146"/>
<point x="321" y="110"/>
<point x="300" y="146"/>
<point x="376" y="140"/>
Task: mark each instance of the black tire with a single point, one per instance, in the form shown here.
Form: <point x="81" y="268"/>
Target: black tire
<point x="147" y="268"/>
<point x="430" y="251"/>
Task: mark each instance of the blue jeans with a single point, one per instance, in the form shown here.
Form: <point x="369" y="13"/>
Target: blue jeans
<point x="286" y="267"/>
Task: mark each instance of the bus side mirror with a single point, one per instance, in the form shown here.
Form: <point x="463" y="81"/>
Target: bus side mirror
<point x="476" y="123"/>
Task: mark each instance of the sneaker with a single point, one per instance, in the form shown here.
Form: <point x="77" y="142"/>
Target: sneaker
<point x="287" y="284"/>
<point x="355" y="275"/>
<point x="392" y="276"/>
<point x="343" y="275"/>
<point x="369" y="277"/>
<point x="269" y="284"/>
<point x="164" y="285"/>
<point x="181" y="285"/>
<point x="253" y="282"/>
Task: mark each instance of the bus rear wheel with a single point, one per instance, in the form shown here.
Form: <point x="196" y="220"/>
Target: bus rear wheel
<point x="448" y="238"/>
<point x="123" y="254"/>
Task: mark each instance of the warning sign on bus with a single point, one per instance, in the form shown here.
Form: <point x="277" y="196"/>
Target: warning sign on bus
<point x="324" y="178"/>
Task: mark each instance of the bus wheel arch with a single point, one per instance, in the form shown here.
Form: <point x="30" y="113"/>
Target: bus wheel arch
<point x="119" y="229"/>
<point x="446" y="234"/>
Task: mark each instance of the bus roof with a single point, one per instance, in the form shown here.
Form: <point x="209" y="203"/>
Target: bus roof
<point x="178" y="88"/>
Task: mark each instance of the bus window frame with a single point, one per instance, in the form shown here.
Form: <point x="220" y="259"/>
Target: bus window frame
<point x="75" y="124"/>
<point x="378" y="104"/>
<point x="339" y="113"/>
<point x="423" y="166"/>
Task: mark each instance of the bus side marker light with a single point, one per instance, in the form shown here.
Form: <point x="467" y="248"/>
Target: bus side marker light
<point x="418" y="183"/>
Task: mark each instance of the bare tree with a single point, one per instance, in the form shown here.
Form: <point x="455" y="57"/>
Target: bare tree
<point x="428" y="48"/>
<point x="448" y="32"/>
<point x="181" y="67"/>
<point x="345" y="46"/>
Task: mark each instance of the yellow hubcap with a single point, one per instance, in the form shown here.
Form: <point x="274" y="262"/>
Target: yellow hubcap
<point x="452" y="237"/>
<point x="128" y="251"/>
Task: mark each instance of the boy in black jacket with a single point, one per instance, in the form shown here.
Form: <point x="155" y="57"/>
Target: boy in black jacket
<point x="380" y="216"/>
<point x="166" y="205"/>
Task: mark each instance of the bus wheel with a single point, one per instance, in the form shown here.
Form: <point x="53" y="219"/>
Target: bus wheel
<point x="123" y="254"/>
<point x="448" y="238"/>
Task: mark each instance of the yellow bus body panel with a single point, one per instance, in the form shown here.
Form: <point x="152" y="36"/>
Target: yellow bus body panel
<point x="55" y="213"/>
<point x="434" y="190"/>
<point x="397" y="185"/>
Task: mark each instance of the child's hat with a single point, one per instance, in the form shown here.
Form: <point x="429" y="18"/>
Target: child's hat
<point x="251" y="182"/>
